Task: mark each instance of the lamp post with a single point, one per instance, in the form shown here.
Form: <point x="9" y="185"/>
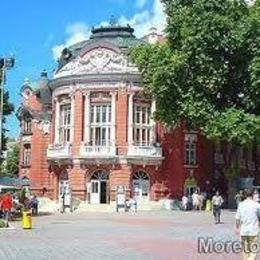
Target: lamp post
<point x="5" y="64"/>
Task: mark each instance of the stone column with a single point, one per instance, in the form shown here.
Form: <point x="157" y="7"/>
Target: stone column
<point x="72" y="109"/>
<point x="77" y="120"/>
<point x="113" y="118"/>
<point x="87" y="118"/>
<point x="57" y="120"/>
<point x="130" y="119"/>
<point x="121" y="120"/>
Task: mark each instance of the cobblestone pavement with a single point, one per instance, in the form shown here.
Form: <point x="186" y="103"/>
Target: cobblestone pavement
<point x="146" y="235"/>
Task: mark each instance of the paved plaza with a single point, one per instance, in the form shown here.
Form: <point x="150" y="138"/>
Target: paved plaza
<point x="146" y="235"/>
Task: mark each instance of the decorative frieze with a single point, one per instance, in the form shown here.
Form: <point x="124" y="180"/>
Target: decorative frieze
<point x="99" y="60"/>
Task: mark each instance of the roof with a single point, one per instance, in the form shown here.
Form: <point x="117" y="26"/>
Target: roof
<point x="8" y="181"/>
<point x="120" y="36"/>
<point x="40" y="88"/>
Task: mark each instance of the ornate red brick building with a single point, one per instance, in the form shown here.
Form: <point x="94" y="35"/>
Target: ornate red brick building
<point x="90" y="129"/>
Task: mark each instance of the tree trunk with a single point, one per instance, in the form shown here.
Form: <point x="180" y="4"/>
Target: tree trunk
<point x="231" y="173"/>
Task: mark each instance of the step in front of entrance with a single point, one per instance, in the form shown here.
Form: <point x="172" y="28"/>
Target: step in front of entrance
<point x="147" y="206"/>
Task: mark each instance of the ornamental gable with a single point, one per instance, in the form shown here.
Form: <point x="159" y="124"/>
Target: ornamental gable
<point x="97" y="61"/>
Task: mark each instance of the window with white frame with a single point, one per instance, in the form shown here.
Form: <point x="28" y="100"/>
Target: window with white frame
<point x="100" y="124"/>
<point x="65" y="123"/>
<point x="142" y="125"/>
<point x="26" y="159"/>
<point x="27" y="125"/>
<point x="190" y="149"/>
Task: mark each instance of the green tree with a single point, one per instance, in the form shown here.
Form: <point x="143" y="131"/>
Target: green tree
<point x="10" y="166"/>
<point x="8" y="109"/>
<point x="207" y="75"/>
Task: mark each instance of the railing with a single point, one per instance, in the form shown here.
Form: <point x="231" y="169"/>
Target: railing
<point x="145" y="151"/>
<point x="97" y="150"/>
<point x="58" y="150"/>
<point x="219" y="158"/>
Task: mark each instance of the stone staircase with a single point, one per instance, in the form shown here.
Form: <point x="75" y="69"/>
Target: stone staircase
<point x="47" y="205"/>
<point x="85" y="207"/>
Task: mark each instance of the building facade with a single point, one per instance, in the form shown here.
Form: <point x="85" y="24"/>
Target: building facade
<point x="90" y="129"/>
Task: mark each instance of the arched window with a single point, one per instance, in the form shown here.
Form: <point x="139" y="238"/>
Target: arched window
<point x="100" y="175"/>
<point x="141" y="185"/>
<point x="140" y="175"/>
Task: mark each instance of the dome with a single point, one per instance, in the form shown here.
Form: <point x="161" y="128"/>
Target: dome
<point x="120" y="36"/>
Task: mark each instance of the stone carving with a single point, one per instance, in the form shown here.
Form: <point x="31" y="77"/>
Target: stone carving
<point x="44" y="126"/>
<point x="99" y="60"/>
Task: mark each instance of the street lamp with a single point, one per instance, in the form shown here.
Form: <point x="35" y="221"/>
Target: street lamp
<point x="5" y="64"/>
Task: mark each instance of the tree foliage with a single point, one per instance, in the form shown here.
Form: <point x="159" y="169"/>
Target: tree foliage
<point x="207" y="74"/>
<point x="8" y="109"/>
<point x="10" y="166"/>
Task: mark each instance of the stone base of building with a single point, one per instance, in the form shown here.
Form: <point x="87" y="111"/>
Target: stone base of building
<point x="100" y="184"/>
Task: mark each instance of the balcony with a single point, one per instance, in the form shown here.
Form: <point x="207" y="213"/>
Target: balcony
<point x="90" y="151"/>
<point x="147" y="151"/>
<point x="219" y="158"/>
<point x="58" y="151"/>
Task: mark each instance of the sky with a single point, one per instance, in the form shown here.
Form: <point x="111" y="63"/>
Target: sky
<point x="35" y="32"/>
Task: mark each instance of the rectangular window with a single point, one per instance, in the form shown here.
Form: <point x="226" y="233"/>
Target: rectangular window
<point x="27" y="125"/>
<point x="142" y="127"/>
<point x="100" y="127"/>
<point x="26" y="155"/>
<point x="98" y="114"/>
<point x="104" y="114"/>
<point x="190" y="153"/>
<point x="92" y="112"/>
<point x="65" y="123"/>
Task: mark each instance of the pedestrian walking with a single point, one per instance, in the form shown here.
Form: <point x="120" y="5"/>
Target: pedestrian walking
<point x="202" y="197"/>
<point x="217" y="202"/>
<point x="6" y="205"/>
<point x="195" y="200"/>
<point x="247" y="223"/>
<point x="133" y="205"/>
<point x="256" y="195"/>
<point x="184" y="202"/>
<point x="34" y="205"/>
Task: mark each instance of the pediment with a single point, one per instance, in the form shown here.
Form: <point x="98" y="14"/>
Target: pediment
<point x="97" y="60"/>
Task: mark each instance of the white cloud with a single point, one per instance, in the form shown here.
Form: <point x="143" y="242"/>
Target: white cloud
<point x="142" y="22"/>
<point x="76" y="32"/>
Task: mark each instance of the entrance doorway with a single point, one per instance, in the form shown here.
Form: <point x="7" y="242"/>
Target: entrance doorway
<point x="141" y="186"/>
<point x="64" y="188"/>
<point x="99" y="188"/>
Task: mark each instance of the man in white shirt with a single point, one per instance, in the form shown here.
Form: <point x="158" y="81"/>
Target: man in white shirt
<point x="217" y="202"/>
<point x="247" y="220"/>
<point x="195" y="200"/>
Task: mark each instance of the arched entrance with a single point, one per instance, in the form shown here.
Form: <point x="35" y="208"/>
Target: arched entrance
<point x="99" y="187"/>
<point x="64" y="187"/>
<point x="141" y="186"/>
<point x="190" y="185"/>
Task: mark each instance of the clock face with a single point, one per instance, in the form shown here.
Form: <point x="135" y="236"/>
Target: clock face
<point x="27" y="93"/>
